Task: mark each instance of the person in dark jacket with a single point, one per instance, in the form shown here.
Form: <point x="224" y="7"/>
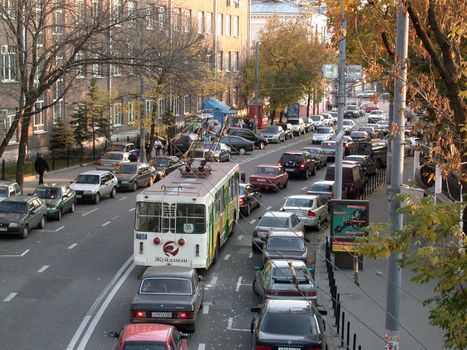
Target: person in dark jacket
<point x="132" y="157"/>
<point x="41" y="166"/>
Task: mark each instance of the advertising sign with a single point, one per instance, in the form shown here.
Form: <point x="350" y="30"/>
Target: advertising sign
<point x="348" y="217"/>
<point x="330" y="71"/>
<point x="354" y="72"/>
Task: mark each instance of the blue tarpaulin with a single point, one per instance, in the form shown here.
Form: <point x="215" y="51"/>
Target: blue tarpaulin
<point x="217" y="108"/>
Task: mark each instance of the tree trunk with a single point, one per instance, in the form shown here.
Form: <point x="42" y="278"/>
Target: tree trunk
<point x="23" y="142"/>
<point x="308" y="102"/>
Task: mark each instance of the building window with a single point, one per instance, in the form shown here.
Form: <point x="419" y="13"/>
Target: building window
<point x="208" y="22"/>
<point x="177" y="19"/>
<point x="117" y="12"/>
<point x="219" y="61"/>
<point x="116" y="70"/>
<point x="161" y="17"/>
<point x="219" y="24"/>
<point x="148" y="106"/>
<point x="132" y="14"/>
<point x="8" y="10"/>
<point x="9" y="69"/>
<point x="200" y="22"/>
<point x="80" y="11"/>
<point x="176" y="106"/>
<point x="97" y="68"/>
<point x="236" y="62"/>
<point x="228" y="60"/>
<point x="5" y="121"/>
<point x="58" y="22"/>
<point x="227" y="25"/>
<point x="187" y="23"/>
<point x="236" y="24"/>
<point x="186" y="104"/>
<point x="131" y="111"/>
<point x="57" y="110"/>
<point x="39" y="116"/>
<point x="150" y="13"/>
<point x="95" y="10"/>
<point x="117" y="114"/>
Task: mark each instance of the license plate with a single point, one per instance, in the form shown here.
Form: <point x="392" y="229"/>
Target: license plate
<point x="161" y="314"/>
<point x="289" y="169"/>
<point x="78" y="196"/>
<point x="3" y="228"/>
<point x="282" y="348"/>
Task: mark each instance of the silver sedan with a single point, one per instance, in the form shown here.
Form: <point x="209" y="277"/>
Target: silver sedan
<point x="310" y="209"/>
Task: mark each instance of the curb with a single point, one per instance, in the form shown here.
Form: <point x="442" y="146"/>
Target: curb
<point x="77" y="166"/>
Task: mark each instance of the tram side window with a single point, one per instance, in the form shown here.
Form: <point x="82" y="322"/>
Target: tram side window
<point x="148" y="217"/>
<point x="191" y="218"/>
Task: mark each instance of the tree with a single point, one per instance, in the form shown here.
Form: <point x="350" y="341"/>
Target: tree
<point x="433" y="245"/>
<point x="62" y="137"/>
<point x="81" y="133"/>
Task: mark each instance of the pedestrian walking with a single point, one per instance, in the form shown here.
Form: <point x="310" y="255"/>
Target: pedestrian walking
<point x="41" y="166"/>
<point x="132" y="157"/>
<point x="158" y="146"/>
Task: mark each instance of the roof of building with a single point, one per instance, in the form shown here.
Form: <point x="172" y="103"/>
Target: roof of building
<point x="275" y="7"/>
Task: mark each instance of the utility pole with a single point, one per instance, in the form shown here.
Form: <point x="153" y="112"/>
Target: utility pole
<point x="340" y="106"/>
<point x="142" y="107"/>
<point x="392" y="336"/>
<point x="255" y="123"/>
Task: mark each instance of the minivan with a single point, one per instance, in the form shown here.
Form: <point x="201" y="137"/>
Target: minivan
<point x="352" y="182"/>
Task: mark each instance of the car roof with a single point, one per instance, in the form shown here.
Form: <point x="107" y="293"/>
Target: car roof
<point x="269" y="165"/>
<point x="290" y="234"/>
<point x="20" y="198"/>
<point x="147" y="332"/>
<point x="7" y="183"/>
<point x="169" y="271"/>
<point x="116" y="152"/>
<point x="95" y="172"/>
<point x="358" y="156"/>
<point x="121" y="143"/>
<point x="54" y="185"/>
<point x="289" y="305"/>
<point x="323" y="182"/>
<point x="303" y="196"/>
<point x="282" y="263"/>
<point x="293" y="152"/>
<point x="279" y="214"/>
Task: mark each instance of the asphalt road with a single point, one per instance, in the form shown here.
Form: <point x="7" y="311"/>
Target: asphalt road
<point x="67" y="285"/>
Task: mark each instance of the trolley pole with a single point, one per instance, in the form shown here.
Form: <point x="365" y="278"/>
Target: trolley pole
<point x="142" y="109"/>
<point x="255" y="123"/>
<point x="392" y="336"/>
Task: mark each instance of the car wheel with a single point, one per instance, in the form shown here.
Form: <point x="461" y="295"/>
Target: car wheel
<point x="59" y="215"/>
<point x="72" y="208"/>
<point x="228" y="158"/>
<point x="25" y="233"/>
<point x="261" y="145"/>
<point x="254" y="287"/>
<point x="242" y="151"/>
<point x="42" y="223"/>
<point x="133" y="188"/>
<point x="97" y="198"/>
<point x="114" y="192"/>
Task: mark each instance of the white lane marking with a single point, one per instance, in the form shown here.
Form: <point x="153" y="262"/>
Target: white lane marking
<point x="115" y="217"/>
<point x="240" y="237"/>
<point x="227" y="257"/>
<point x="269" y="208"/>
<point x="122" y="199"/>
<point x="205" y="309"/>
<point x="229" y="326"/>
<point x="132" y="209"/>
<point x="9" y="297"/>
<point x="250" y="255"/>
<point x="252" y="221"/>
<point x="25" y="252"/>
<point x="201" y="346"/>
<point x="72" y="246"/>
<point x="304" y="188"/>
<point x="15" y="255"/>
<point x="89" y="212"/>
<point x="239" y="283"/>
<point x="43" y="268"/>
<point x="90" y="312"/>
<point x="229" y="323"/>
<point x="213" y="280"/>
<point x="105" y="223"/>
<point x="60" y="228"/>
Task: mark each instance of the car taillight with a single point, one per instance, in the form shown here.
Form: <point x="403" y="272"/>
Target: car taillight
<point x="331" y="196"/>
<point x="184" y="315"/>
<point x="241" y="201"/>
<point x="302" y="165"/>
<point x="279" y="163"/>
<point x="138" y="314"/>
<point x="311" y="213"/>
<point x="263" y="347"/>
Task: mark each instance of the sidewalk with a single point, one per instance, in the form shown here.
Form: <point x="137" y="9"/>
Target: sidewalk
<point x="360" y="304"/>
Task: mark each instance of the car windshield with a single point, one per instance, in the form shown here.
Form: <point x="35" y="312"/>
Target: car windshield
<point x="271" y="221"/>
<point x="263" y="170"/>
<point x="292" y="158"/>
<point x="294" y="121"/>
<point x="290" y="324"/>
<point x="298" y="202"/>
<point x="48" y="193"/>
<point x="144" y="345"/>
<point x="282" y="273"/>
<point x="376" y="111"/>
<point x="359" y="134"/>
<point x="351" y="108"/>
<point x="126" y="169"/>
<point x="161" y="162"/>
<point x="313" y="151"/>
<point x="355" y="159"/>
<point x="13" y="207"/>
<point x="316" y="119"/>
<point x="113" y="156"/>
<point x="348" y="122"/>
<point x="321" y="188"/>
<point x="166" y="285"/>
<point x="117" y="147"/>
<point x="3" y="192"/>
<point x="271" y="129"/>
<point x="285" y="243"/>
<point x="88" y="179"/>
<point x="323" y="130"/>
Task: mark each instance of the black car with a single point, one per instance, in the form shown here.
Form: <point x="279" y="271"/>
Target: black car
<point x="238" y="144"/>
<point x="259" y="141"/>
<point x="130" y="176"/>
<point x="164" y="165"/>
<point x="367" y="163"/>
<point x="181" y="144"/>
<point x="248" y="199"/>
<point x="20" y="214"/>
<point x="298" y="163"/>
<point x="318" y="155"/>
<point x="288" y="324"/>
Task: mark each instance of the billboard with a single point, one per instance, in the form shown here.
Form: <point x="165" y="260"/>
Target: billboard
<point x="348" y="217"/>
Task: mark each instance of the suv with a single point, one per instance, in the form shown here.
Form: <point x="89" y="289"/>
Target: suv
<point x="259" y="141"/>
<point x="377" y="150"/>
<point x="9" y="189"/>
<point x="298" y="125"/>
<point x="352" y="182"/>
<point x="300" y="163"/>
<point x="94" y="184"/>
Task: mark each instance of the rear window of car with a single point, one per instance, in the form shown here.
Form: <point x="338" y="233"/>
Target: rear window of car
<point x="286" y="273"/>
<point x="321" y="188"/>
<point x="313" y="151"/>
<point x="3" y="192"/>
<point x="292" y="158"/>
<point x="316" y="119"/>
<point x="13" y="207"/>
<point x="142" y="345"/>
<point x="358" y="134"/>
<point x="323" y="130"/>
<point x="294" y="121"/>
<point x="161" y="162"/>
<point x="348" y="122"/>
<point x="113" y="156"/>
<point x="351" y="108"/>
<point x="330" y="145"/>
<point x="161" y="285"/>
<point x="285" y="243"/>
<point x="290" y="323"/>
<point x="49" y="193"/>
<point x="263" y="170"/>
<point x="298" y="202"/>
<point x="117" y="147"/>
<point x="126" y="169"/>
<point x="271" y="221"/>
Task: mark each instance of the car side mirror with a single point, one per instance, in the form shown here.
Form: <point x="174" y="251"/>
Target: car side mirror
<point x="323" y="312"/>
<point x="113" y="334"/>
<point x="307" y="240"/>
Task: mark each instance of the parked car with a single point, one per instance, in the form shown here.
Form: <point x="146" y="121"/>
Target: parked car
<point x="298" y="163"/>
<point x="367" y="163"/>
<point x="310" y="209"/>
<point x="164" y="165"/>
<point x="275" y="221"/>
<point x="318" y="155"/>
<point x="287" y="324"/>
<point x="352" y="111"/>
<point x="318" y="121"/>
<point x="323" y="188"/>
<point x="258" y="140"/>
<point x="376" y="149"/>
<point x="348" y="126"/>
<point x="309" y="126"/>
<point x="149" y="337"/>
<point x="248" y="199"/>
<point x="20" y="214"/>
<point x="285" y="279"/>
<point x="58" y="199"/>
<point x="221" y="151"/>
<point x="323" y="133"/>
<point x="110" y="160"/>
<point x="121" y="147"/>
<point x="238" y="144"/>
<point x="352" y="181"/>
<point x="288" y="130"/>
<point x="170" y="295"/>
<point x="182" y="143"/>
<point x="274" y="134"/>
<point x="201" y="154"/>
<point x="95" y="184"/>
<point x="359" y="135"/>
<point x="375" y="116"/>
<point x="298" y="125"/>
<point x="366" y="94"/>
<point x="269" y="177"/>
<point x="130" y="176"/>
<point x="328" y="119"/>
<point x="9" y="189"/>
<point x="287" y="245"/>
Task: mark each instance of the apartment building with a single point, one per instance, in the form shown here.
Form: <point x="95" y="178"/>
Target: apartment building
<point x="224" y="25"/>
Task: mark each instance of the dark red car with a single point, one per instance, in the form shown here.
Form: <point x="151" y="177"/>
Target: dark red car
<point x="149" y="336"/>
<point x="370" y="108"/>
<point x="269" y="177"/>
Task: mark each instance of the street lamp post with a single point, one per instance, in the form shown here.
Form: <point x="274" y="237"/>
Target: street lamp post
<point x="255" y="123"/>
